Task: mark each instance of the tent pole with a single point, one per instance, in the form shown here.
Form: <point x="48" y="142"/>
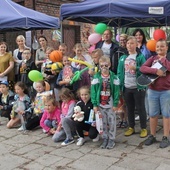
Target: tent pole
<point x="61" y="30"/>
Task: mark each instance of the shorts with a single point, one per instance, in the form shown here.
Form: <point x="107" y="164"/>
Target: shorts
<point x="159" y="102"/>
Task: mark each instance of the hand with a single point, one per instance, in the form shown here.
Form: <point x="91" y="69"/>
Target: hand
<point x="160" y="72"/>
<point x="95" y="109"/>
<point x="1" y="107"/>
<point x="52" y="131"/>
<point x="21" y="112"/>
<point x="115" y="109"/>
<point x="132" y="68"/>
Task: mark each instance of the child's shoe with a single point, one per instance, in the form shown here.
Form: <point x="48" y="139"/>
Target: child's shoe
<point x="96" y="139"/>
<point x="67" y="142"/>
<point x="81" y="141"/>
<point x="124" y="124"/>
<point x="143" y="133"/>
<point x="110" y="144"/>
<point x="44" y="131"/>
<point x="21" y="128"/>
<point x="150" y="140"/>
<point x="164" y="143"/>
<point x="119" y="124"/>
<point x="104" y="144"/>
<point x="130" y="131"/>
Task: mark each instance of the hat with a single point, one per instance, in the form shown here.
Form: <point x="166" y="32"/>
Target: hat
<point x="4" y="82"/>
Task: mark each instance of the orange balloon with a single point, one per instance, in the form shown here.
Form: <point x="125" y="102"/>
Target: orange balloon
<point x="151" y="45"/>
<point x="56" y="56"/>
<point x="47" y="86"/>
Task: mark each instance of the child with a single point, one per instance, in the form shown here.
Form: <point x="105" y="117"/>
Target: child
<point x="51" y="116"/>
<point x="38" y="107"/>
<point x="85" y="78"/>
<point x="66" y="126"/>
<point x="105" y="98"/>
<point x="25" y="67"/>
<point x="134" y="95"/>
<point x="66" y="74"/>
<point x="63" y="48"/>
<point x="96" y="55"/>
<point x="21" y="104"/>
<point x="159" y="93"/>
<point x="6" y="99"/>
<point x="86" y="106"/>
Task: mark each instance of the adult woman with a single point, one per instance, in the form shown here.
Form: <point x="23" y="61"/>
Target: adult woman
<point x="41" y="52"/>
<point x="17" y="54"/>
<point x="141" y="42"/>
<point x="6" y="64"/>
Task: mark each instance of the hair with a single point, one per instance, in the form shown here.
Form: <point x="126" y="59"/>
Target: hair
<point x="109" y="31"/>
<point x="131" y="38"/>
<point x="20" y="37"/>
<point x="162" y="40"/>
<point x="142" y="33"/>
<point x="63" y="45"/>
<point x="42" y="36"/>
<point x="42" y="82"/>
<point x="83" y="88"/>
<point x="104" y="59"/>
<point x="4" y="43"/>
<point x="27" y="49"/>
<point x="77" y="45"/>
<point x="125" y="36"/>
<point x="50" y="98"/>
<point x="98" y="51"/>
<point x="66" y="92"/>
<point x="22" y="86"/>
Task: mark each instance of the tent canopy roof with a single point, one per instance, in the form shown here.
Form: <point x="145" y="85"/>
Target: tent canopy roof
<point x="16" y="17"/>
<point x="119" y="13"/>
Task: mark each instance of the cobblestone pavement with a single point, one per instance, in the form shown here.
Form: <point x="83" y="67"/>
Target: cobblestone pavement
<point x="34" y="150"/>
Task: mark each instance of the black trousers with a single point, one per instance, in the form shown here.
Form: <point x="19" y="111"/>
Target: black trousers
<point x="135" y="98"/>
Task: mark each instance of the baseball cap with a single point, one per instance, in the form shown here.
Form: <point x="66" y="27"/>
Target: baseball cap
<point x="4" y="82"/>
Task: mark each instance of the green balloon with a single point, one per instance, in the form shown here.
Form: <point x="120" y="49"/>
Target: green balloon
<point x="35" y="75"/>
<point x="100" y="28"/>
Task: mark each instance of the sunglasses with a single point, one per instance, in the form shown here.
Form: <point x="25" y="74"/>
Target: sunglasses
<point x="105" y="65"/>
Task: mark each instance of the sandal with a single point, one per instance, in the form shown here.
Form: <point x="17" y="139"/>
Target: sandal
<point x="124" y="124"/>
<point x="119" y="124"/>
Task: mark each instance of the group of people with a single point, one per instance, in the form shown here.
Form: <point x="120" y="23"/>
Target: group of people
<point x="110" y="83"/>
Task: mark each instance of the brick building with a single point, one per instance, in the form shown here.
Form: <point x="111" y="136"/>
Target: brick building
<point x="72" y="32"/>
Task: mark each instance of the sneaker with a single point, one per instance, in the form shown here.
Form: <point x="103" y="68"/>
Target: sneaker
<point x="67" y="142"/>
<point x="119" y="124"/>
<point x="96" y="139"/>
<point x="44" y="131"/>
<point x="104" y="144"/>
<point x="137" y="118"/>
<point x="110" y="144"/>
<point x="150" y="140"/>
<point x="21" y="128"/>
<point x="124" y="124"/>
<point x="143" y="133"/>
<point x="81" y="141"/>
<point x="164" y="143"/>
<point x="130" y="131"/>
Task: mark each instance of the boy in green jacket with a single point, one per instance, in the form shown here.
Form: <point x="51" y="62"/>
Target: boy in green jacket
<point x="105" y="98"/>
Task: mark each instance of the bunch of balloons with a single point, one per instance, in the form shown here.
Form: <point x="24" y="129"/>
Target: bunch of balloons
<point x="157" y="35"/>
<point x="94" y="38"/>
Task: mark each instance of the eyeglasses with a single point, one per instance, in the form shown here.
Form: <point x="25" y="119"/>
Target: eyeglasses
<point x="122" y="40"/>
<point x="105" y="65"/>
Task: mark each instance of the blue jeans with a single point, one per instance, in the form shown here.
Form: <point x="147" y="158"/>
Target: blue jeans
<point x="159" y="101"/>
<point x="50" y="123"/>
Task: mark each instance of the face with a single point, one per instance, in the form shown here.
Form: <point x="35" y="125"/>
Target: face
<point x="4" y="89"/>
<point x="39" y="88"/>
<point x="63" y="50"/>
<point x="122" y="41"/>
<point x="26" y="54"/>
<point x="131" y="46"/>
<point x="20" y="42"/>
<point x="47" y="53"/>
<point x="104" y="66"/>
<point x="161" y="48"/>
<point x="78" y="51"/>
<point x="84" y="95"/>
<point x="49" y="106"/>
<point x="3" y="48"/>
<point x="95" y="58"/>
<point x="139" y="37"/>
<point x="42" y="42"/>
<point x="107" y="36"/>
<point x="19" y="90"/>
<point x="66" y="62"/>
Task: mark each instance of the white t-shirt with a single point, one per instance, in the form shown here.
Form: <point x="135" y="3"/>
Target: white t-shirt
<point x="106" y="49"/>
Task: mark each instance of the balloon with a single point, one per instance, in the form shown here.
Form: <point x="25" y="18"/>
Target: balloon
<point x="35" y="75"/>
<point x="117" y="37"/>
<point x="56" y="56"/>
<point x="91" y="49"/>
<point x="159" y="34"/>
<point x="47" y="86"/>
<point x="81" y="62"/>
<point x="94" y="38"/>
<point x="151" y="45"/>
<point x="58" y="66"/>
<point x="100" y="28"/>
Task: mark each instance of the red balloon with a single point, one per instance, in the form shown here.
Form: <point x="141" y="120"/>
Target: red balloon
<point x="151" y="45"/>
<point x="159" y="34"/>
<point x="56" y="56"/>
